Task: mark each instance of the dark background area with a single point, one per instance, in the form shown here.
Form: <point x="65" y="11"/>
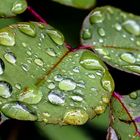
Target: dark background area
<point x="69" y="20"/>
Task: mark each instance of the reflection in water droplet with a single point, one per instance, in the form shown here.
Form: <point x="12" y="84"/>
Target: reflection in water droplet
<point x="2" y="66"/>
<point x="27" y="28"/>
<point x="39" y="62"/>
<point x="96" y="17"/>
<point x="56" y="97"/>
<point x="10" y="57"/>
<point x="77" y="98"/>
<point x="132" y="27"/>
<point x="7" y="37"/>
<point x="56" y="36"/>
<point x="19" y="7"/>
<point x="25" y="67"/>
<point x="75" y="117"/>
<point x="51" y="85"/>
<point x="51" y="52"/>
<point x="67" y="84"/>
<point x="101" y="32"/>
<point x="5" y="89"/>
<point x="58" y="77"/>
<point x="128" y="57"/>
<point x="133" y="95"/>
<point x="76" y="69"/>
<point x="86" y="34"/>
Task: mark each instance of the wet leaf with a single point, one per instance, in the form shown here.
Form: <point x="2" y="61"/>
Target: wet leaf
<point x="10" y="8"/>
<point x="115" y="36"/>
<point x="82" y="4"/>
<point x="126" y="115"/>
<point x="40" y="79"/>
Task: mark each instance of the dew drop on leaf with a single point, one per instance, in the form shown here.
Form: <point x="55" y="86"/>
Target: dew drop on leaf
<point x="51" y="52"/>
<point x="128" y="57"/>
<point x="39" y="62"/>
<point x="118" y="27"/>
<point x="101" y="32"/>
<point x="133" y="95"/>
<point x="77" y="98"/>
<point x="86" y="34"/>
<point x="10" y="57"/>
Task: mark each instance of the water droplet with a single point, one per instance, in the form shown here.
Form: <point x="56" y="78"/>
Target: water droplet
<point x="75" y="117"/>
<point x="107" y="82"/>
<point x="25" y="67"/>
<point x="133" y="68"/>
<point x="92" y="76"/>
<point x="24" y="44"/>
<point x="17" y="111"/>
<point x="18" y="86"/>
<point x="51" y="85"/>
<point x="67" y="85"/>
<point x="29" y="53"/>
<point x="133" y="104"/>
<point x="56" y="97"/>
<point x="101" y="51"/>
<point x="138" y="43"/>
<point x="128" y="57"/>
<point x="58" y="78"/>
<point x="132" y="27"/>
<point x="81" y="84"/>
<point x="76" y="69"/>
<point x="2" y="66"/>
<point x="93" y="89"/>
<point x="5" y="89"/>
<point x="51" y="52"/>
<point x="39" y="62"/>
<point x="78" y="92"/>
<point x="90" y="61"/>
<point x="56" y="36"/>
<point x="101" y="32"/>
<point x="19" y="7"/>
<point x="99" y="109"/>
<point x="27" y="28"/>
<point x="10" y="57"/>
<point x="96" y="17"/>
<point x="77" y="98"/>
<point x="118" y="27"/>
<point x="133" y="95"/>
<point x="41" y="25"/>
<point x="7" y="37"/>
<point x="86" y="34"/>
<point x="105" y="100"/>
<point x="31" y="96"/>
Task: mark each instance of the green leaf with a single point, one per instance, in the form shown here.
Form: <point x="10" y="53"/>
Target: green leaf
<point x="82" y="4"/>
<point x="10" y="8"/>
<point x="40" y="79"/>
<point x="115" y="36"/>
<point x="126" y="115"/>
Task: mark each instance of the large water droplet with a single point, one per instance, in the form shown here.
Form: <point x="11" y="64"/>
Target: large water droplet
<point x="101" y="32"/>
<point x="51" y="52"/>
<point x="133" y="95"/>
<point x="86" y="34"/>
<point x="31" y="96"/>
<point x="7" y="37"/>
<point x="134" y="68"/>
<point x="75" y="117"/>
<point x="132" y="27"/>
<point x="19" y="7"/>
<point x="67" y="85"/>
<point x="17" y="111"/>
<point x="56" y="97"/>
<point x="5" y="89"/>
<point x="10" y="57"/>
<point x="56" y="36"/>
<point x="90" y="61"/>
<point x="96" y="17"/>
<point x="77" y="98"/>
<point x="99" y="109"/>
<point x="128" y="57"/>
<point x="39" y="62"/>
<point x="2" y="66"/>
<point x="27" y="28"/>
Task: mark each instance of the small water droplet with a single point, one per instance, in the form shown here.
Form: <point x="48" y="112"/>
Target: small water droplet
<point x="86" y="34"/>
<point x="67" y="85"/>
<point x="27" y="28"/>
<point x="101" y="32"/>
<point x="56" y="97"/>
<point x="19" y="7"/>
<point x="29" y="53"/>
<point x="76" y="69"/>
<point x="118" y="27"/>
<point x="77" y="98"/>
<point x="58" y="78"/>
<point x="7" y="37"/>
<point x="10" y="57"/>
<point x="133" y="104"/>
<point x="105" y="100"/>
<point x="39" y="62"/>
<point x="128" y="57"/>
<point x="92" y="76"/>
<point x="78" y="92"/>
<point x="96" y="17"/>
<point x="99" y="109"/>
<point x="5" y="89"/>
<point x="25" y="67"/>
<point x="101" y="40"/>
<point x="75" y="117"/>
<point x="24" y="44"/>
<point x="18" y="86"/>
<point x="101" y="51"/>
<point x="93" y="89"/>
<point x="133" y="95"/>
<point x="132" y="27"/>
<point x="2" y="66"/>
<point x="41" y="25"/>
<point x="51" y="52"/>
<point x="56" y="36"/>
<point x="51" y="85"/>
<point x="81" y="84"/>
<point x="138" y="43"/>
